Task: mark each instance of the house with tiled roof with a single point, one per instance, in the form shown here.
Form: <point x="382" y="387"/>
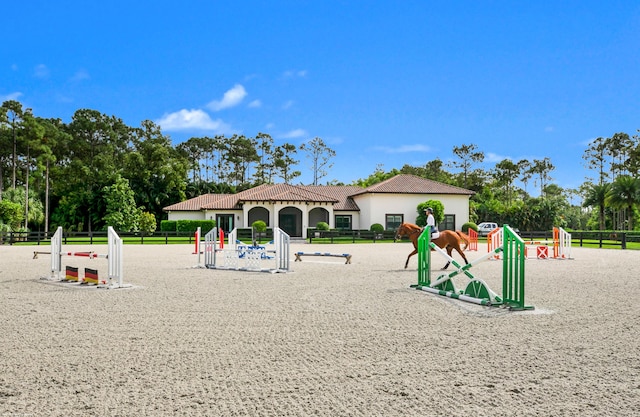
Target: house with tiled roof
<point x="294" y="208"/>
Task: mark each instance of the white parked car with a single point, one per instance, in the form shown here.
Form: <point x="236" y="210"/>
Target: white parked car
<point x="485" y="228"/>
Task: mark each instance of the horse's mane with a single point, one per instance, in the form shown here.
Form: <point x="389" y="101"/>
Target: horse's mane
<point x="412" y="226"/>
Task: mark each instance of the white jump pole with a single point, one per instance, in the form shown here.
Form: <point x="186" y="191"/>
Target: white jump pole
<point x="452" y="294"/>
<point x="114" y="261"/>
<point x="462" y="269"/>
<point x="56" y="251"/>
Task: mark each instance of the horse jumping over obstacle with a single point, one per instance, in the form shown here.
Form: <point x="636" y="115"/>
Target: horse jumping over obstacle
<point x="448" y="240"/>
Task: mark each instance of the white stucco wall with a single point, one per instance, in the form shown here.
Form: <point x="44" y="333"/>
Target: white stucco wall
<point x="375" y="207"/>
<point x="355" y="218"/>
<point x="185" y="215"/>
<point x="275" y="208"/>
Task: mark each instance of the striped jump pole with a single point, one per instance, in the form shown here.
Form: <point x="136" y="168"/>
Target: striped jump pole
<point x="446" y="288"/>
<point x="113" y="257"/>
<point x="495" y="298"/>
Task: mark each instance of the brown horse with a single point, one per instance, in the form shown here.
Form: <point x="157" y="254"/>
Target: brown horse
<point x="448" y="240"/>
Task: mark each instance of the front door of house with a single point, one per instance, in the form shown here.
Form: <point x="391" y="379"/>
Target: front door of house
<point x="225" y="222"/>
<point x="287" y="223"/>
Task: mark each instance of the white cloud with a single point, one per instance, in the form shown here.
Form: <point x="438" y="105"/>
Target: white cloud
<point x="295" y="74"/>
<point x="403" y="148"/>
<point x="296" y="133"/>
<point x="191" y="119"/>
<point x="255" y="104"/>
<point x="494" y="157"/>
<point x="41" y="71"/>
<point x="231" y="98"/>
<point x="80" y="75"/>
<point x="288" y="104"/>
<point x="11" y="96"/>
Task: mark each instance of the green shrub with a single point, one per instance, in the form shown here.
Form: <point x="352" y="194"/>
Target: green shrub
<point x="168" y="226"/>
<point x="11" y="214"/>
<point x="322" y="226"/>
<point x="377" y="227"/>
<point x="147" y="222"/>
<point x="438" y="212"/>
<point x="187" y="225"/>
<point x="205" y="225"/>
<point x="469" y="225"/>
<point x="259" y="226"/>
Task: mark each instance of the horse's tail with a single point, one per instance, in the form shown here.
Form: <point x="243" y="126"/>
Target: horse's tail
<point x="464" y="237"/>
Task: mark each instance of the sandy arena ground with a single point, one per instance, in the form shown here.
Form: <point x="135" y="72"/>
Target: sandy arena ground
<point x="326" y="339"/>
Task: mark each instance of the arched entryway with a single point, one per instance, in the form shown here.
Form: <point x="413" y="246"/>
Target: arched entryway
<point x="290" y="221"/>
<point x="318" y="214"/>
<point x="258" y="213"/>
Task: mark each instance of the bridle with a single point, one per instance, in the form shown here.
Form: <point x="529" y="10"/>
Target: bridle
<point x="408" y="234"/>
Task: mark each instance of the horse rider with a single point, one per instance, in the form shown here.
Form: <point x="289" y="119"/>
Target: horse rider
<point x="431" y="221"/>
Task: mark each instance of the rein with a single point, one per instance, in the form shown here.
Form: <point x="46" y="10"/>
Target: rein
<point x="415" y="231"/>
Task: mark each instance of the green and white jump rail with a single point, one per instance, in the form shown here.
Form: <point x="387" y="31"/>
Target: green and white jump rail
<point x="477" y="291"/>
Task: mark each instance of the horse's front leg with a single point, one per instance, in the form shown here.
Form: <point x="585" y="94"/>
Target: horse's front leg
<point x="463" y="257"/>
<point x="409" y="257"/>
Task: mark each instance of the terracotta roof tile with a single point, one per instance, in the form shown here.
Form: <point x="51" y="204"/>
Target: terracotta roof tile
<point x="342" y="193"/>
<point x="411" y="184"/>
<point x="229" y="202"/>
<point x="340" y="196"/>
<point x="196" y="203"/>
<point x="284" y="192"/>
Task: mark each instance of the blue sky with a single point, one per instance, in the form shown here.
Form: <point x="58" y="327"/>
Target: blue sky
<point x="381" y="82"/>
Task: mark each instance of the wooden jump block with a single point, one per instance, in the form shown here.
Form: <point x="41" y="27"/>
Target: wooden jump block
<point x="542" y="252"/>
<point x="71" y="274"/>
<point x="91" y="276"/>
<point x="335" y="255"/>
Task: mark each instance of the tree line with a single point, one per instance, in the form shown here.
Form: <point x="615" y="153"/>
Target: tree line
<point x="95" y="171"/>
<point x="608" y="201"/>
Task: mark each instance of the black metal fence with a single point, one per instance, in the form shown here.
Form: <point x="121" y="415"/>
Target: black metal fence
<point x="98" y="237"/>
<point x="352" y="236"/>
<point x="606" y="239"/>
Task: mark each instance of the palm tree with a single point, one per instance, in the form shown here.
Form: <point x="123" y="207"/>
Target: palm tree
<point x="625" y="194"/>
<point x="596" y="197"/>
